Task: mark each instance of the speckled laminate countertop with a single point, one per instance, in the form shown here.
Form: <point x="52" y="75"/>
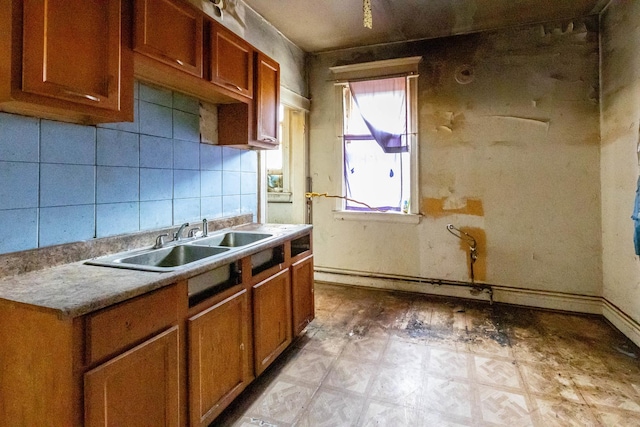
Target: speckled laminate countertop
<point x="75" y="289"/>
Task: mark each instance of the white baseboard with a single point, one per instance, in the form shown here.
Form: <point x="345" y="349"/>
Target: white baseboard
<point x="524" y="297"/>
<point x="625" y="324"/>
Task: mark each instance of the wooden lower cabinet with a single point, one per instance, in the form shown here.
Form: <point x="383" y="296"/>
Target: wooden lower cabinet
<point x="271" y="319"/>
<point x="302" y="296"/>
<point x="219" y="363"/>
<point x="140" y="387"/>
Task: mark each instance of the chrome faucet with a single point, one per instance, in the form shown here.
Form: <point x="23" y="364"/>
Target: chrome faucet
<point x="176" y="235"/>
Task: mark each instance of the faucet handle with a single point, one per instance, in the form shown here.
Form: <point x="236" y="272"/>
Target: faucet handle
<point x="160" y="241"/>
<point x="194" y="232"/>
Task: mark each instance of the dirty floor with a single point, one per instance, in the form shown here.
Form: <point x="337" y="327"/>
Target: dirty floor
<point x="376" y="358"/>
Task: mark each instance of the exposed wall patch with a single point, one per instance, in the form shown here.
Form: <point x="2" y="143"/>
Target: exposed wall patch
<point x="437" y="208"/>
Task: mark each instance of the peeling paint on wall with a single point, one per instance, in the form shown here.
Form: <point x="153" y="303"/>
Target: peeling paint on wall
<point x="437" y="208"/>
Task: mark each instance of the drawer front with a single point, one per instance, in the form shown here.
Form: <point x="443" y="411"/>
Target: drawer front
<point x="114" y="329"/>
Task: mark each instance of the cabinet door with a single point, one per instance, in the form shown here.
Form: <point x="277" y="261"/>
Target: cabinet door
<point x="303" y="305"/>
<point x="219" y="366"/>
<point x="267" y="100"/>
<point x="171" y="32"/>
<point x="138" y="388"/>
<point x="271" y="319"/>
<point x="231" y="61"/>
<point x="72" y="51"/>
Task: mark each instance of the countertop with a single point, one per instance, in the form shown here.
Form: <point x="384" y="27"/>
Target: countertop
<point x="75" y="289"/>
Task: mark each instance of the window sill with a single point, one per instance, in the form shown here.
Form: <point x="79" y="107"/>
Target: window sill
<point x="275" y="197"/>
<point x="377" y="216"/>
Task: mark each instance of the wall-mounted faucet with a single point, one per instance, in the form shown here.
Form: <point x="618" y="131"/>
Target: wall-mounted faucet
<point x="470" y="240"/>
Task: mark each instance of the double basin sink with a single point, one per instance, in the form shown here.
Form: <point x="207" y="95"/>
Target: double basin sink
<point x="176" y="254"/>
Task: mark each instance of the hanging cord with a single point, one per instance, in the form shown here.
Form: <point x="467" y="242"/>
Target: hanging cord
<point x="471" y="241"/>
<point x="312" y="195"/>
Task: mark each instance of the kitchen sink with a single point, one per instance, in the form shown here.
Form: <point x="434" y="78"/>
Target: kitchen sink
<point x="231" y="239"/>
<point x="164" y="259"/>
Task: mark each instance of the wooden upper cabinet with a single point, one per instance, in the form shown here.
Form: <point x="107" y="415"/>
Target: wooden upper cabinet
<point x="231" y="61"/>
<point x="267" y="100"/>
<point x="67" y="59"/>
<point x="170" y="31"/>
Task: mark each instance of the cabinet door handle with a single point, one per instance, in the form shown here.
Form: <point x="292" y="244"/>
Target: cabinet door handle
<point x="269" y="139"/>
<point x="82" y="95"/>
<point x="236" y="87"/>
<point x="180" y="63"/>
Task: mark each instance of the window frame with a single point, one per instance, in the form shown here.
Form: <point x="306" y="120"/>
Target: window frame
<point x="401" y="67"/>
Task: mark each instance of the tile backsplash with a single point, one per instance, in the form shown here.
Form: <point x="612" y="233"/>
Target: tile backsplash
<point x="64" y="182"/>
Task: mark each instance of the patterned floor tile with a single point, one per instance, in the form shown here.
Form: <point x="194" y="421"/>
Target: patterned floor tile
<point x="332" y="409"/>
<point x="602" y="391"/>
<point x="308" y="366"/>
<point x="497" y="372"/>
<point x="397" y="385"/>
<point x="504" y="408"/>
<point x="405" y="354"/>
<point x="553" y="412"/>
<point x="365" y="348"/>
<point x="540" y="379"/>
<point x="283" y="402"/>
<point x="386" y="415"/>
<point x="449" y="397"/>
<point x="375" y="358"/>
<point x="448" y="363"/>
<point x="351" y="375"/>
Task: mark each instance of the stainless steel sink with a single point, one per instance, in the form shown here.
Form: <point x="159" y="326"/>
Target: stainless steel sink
<point x="164" y="259"/>
<point x="232" y="239"/>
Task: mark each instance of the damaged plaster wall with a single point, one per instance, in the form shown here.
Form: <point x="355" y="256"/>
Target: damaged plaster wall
<point x="620" y="79"/>
<point x="513" y="154"/>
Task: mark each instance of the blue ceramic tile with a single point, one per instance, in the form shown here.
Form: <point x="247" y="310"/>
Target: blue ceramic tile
<point x="117" y="218"/>
<point x="156" y="152"/>
<point x="249" y="204"/>
<point x="18" y="185"/>
<point x="64" y="185"/>
<point x="155" y="95"/>
<point x="19" y="138"/>
<point x="211" y="183"/>
<point x="186" y="184"/>
<point x="117" y="184"/>
<point x="211" y="207"/>
<point x="186" y="126"/>
<point x="156" y="184"/>
<point x="133" y="126"/>
<point x="66" y="224"/>
<point x="210" y="157"/>
<point x="23" y="226"/>
<point x="231" y="183"/>
<point x="231" y="159"/>
<point x="117" y="148"/>
<point x="155" y="120"/>
<point x="67" y="143"/>
<point x="248" y="183"/>
<point x="185" y="210"/>
<point x="231" y="205"/>
<point x="185" y="103"/>
<point x="186" y="155"/>
<point x="249" y="161"/>
<point x="156" y="214"/>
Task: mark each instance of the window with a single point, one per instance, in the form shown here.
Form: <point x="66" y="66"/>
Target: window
<point x="277" y="160"/>
<point x="379" y="138"/>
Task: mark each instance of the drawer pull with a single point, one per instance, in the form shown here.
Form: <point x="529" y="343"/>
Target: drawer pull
<point x="82" y="95"/>
<point x="269" y="139"/>
<point x="180" y="63"/>
<point x="236" y="87"/>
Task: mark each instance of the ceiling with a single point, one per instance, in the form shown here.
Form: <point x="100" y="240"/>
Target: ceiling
<point x="335" y="24"/>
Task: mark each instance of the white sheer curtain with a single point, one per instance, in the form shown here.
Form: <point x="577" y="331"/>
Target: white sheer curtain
<point x="383" y="107"/>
